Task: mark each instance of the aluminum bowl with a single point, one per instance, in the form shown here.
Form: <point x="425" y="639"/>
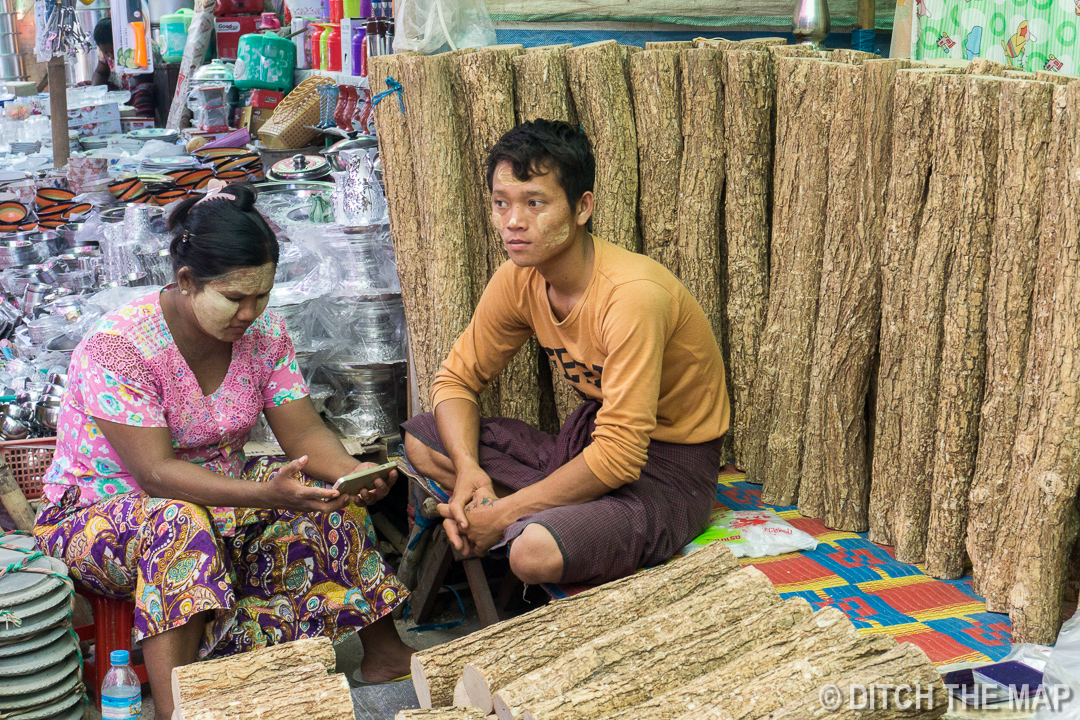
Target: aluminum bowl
<point x="18" y="412"/>
<point x="47" y="416"/>
<point x="13" y="429"/>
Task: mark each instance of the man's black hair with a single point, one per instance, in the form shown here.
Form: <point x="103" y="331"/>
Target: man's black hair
<point x="103" y="32"/>
<point x="537" y="147"/>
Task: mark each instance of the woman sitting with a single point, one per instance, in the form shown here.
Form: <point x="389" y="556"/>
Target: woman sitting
<point x="151" y="499"/>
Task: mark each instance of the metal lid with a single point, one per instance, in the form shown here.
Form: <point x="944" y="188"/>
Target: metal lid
<point x="301" y="167"/>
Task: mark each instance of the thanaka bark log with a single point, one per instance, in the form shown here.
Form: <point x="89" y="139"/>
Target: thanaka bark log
<point x="639" y="676"/>
<point x="436" y="670"/>
<point x="1022" y="172"/>
<point x="749" y="114"/>
<point x="602" y="98"/>
<point x="198" y="680"/>
<point x="1039" y="522"/>
<point x="920" y="378"/>
<point x="778" y="403"/>
<point x="293" y="697"/>
<point x="912" y="153"/>
<point x="402" y="198"/>
<point x="729" y="602"/>
<point x="454" y="713"/>
<point x="963" y="353"/>
<point x="656" y="82"/>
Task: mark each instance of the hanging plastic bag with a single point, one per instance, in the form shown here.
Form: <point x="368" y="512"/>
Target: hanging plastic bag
<point x="432" y="26"/>
<point x="752" y="533"/>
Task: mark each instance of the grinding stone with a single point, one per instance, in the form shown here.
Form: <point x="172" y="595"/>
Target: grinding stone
<point x="14" y="702"/>
<point x="32" y="643"/>
<point x="75" y="713"/>
<point x="36" y="660"/>
<point x="41" y="680"/>
<point x="27" y="610"/>
<point x="51" y="710"/>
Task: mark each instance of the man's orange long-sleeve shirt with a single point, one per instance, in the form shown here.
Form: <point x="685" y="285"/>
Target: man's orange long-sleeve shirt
<point x="636" y="340"/>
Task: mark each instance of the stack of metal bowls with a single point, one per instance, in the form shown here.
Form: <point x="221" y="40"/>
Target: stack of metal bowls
<point x="369" y="399"/>
<point x="11" y="62"/>
<point x="21" y="252"/>
<point x="39" y="652"/>
<point x="36" y="409"/>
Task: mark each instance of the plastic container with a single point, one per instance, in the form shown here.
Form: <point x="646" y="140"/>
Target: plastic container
<point x="121" y="692"/>
<point x="265" y="62"/>
<point x="337" y="10"/>
<point x="174" y="30"/>
<point x="317" y="30"/>
<point x="359" y="61"/>
<point x="333" y="43"/>
<point x="324" y="47"/>
<point x="269" y="21"/>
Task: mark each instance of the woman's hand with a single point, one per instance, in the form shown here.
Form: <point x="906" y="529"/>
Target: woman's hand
<point x="382" y="487"/>
<point x="284" y="491"/>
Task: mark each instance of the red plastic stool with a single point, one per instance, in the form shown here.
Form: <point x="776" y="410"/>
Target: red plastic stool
<point x="111" y="630"/>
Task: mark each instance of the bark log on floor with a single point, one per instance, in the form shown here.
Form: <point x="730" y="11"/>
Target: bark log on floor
<point x="963" y="351"/>
<point x="912" y="153"/>
<point x="749" y="114"/>
<point x="598" y="81"/>
<point x="1022" y="173"/>
<point x="436" y="670"/>
<point x="805" y="90"/>
<point x="925" y="307"/>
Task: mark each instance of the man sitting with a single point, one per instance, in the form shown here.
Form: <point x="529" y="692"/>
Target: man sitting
<point x="632" y="475"/>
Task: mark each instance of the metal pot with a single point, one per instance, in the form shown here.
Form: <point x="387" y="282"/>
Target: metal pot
<point x="13" y="429"/>
<point x="368" y="399"/>
<point x="364" y="142"/>
<point x="300" y="167"/>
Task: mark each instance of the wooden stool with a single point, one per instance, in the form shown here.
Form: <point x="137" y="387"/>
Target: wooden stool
<point x="435" y="562"/>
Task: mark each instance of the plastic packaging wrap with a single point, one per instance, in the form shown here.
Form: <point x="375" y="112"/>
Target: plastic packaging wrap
<point x="360" y="328"/>
<point x="432" y="26"/>
<point x="368" y="400"/>
<point x="752" y="533"/>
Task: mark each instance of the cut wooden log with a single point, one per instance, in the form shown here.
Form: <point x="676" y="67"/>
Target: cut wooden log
<point x="1055" y="78"/>
<point x="925" y="307"/>
<point x="602" y="98"/>
<point x="292" y="697"/>
<point x="904" y="666"/>
<point x="852" y="57"/>
<point x="1039" y="523"/>
<point x="402" y="198"/>
<point x="827" y="629"/>
<point x="14" y="500"/>
<point x="714" y="43"/>
<point x="656" y="84"/>
<point x="715" y="609"/>
<point x="542" y="90"/>
<point x="699" y="249"/>
<point x="435" y="121"/>
<point x="912" y="154"/>
<point x="487" y="78"/>
<point x="963" y="350"/>
<point x="805" y="90"/>
<point x="1022" y="171"/>
<point x="198" y="680"/>
<point x="835" y="476"/>
<point x="562" y="625"/>
<point x="983" y="66"/>
<point x="670" y="45"/>
<point x="455" y="713"/>
<point x="542" y="86"/>
<point x="749" y="114"/>
<point x="799" y="51"/>
<point x="631" y="679"/>
<point x="760" y="43"/>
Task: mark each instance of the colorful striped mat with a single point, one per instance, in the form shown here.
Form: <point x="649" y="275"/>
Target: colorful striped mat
<point x="877" y="592"/>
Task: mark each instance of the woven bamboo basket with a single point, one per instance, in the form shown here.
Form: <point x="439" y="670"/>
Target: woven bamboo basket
<point x="288" y="126"/>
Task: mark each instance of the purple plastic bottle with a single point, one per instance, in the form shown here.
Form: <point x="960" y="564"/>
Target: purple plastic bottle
<point x="357" y="57"/>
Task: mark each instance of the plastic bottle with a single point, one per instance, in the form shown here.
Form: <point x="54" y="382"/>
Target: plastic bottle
<point x="324" y="48"/>
<point x="333" y="46"/>
<point x="121" y="692"/>
<point x="269" y="21"/>
<point x="359" y="65"/>
<point x="317" y="30"/>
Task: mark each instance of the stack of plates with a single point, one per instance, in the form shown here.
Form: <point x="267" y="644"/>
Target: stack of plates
<point x="94" y="142"/>
<point x="39" y="660"/>
<point x="160" y="166"/>
<point x="163" y="134"/>
<point x="26" y="148"/>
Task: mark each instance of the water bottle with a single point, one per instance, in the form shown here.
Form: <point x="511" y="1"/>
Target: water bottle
<point x="121" y="692"/>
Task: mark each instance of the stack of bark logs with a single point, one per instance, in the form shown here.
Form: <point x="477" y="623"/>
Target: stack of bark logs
<point x="884" y="248"/>
<point x="290" y="681"/>
<point x="698" y="634"/>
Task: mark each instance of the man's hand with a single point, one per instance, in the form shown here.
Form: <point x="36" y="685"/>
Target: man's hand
<point x="486" y="522"/>
<point x="470" y="484"/>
